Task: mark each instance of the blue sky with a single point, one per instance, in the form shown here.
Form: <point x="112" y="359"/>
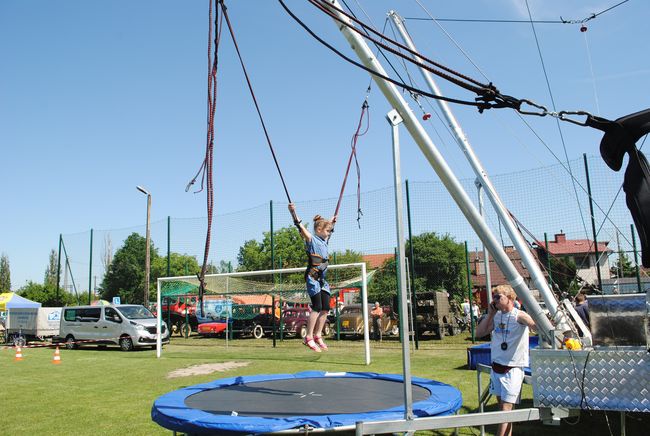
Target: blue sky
<point x="98" y="97"/>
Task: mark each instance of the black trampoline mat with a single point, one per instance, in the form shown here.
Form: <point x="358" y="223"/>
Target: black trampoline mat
<point x="305" y="396"/>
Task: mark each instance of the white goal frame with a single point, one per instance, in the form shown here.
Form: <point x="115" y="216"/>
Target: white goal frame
<point x="364" y="296"/>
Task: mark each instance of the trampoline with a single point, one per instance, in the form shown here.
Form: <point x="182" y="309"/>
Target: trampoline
<point x="276" y="402"/>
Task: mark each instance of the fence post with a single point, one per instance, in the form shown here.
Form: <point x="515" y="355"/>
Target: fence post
<point x="469" y="293"/>
<point x="90" y="268"/>
<point x="168" y="246"/>
<point x="272" y="244"/>
<point x="636" y="259"/>
<point x="414" y="301"/>
<point x="593" y="223"/>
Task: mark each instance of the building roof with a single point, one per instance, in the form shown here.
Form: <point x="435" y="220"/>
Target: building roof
<point x="496" y="276"/>
<point x="376" y="260"/>
<point x="563" y="246"/>
<point x="265" y="299"/>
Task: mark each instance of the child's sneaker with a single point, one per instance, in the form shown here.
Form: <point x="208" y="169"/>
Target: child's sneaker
<point x="311" y="344"/>
<point x="320" y="343"/>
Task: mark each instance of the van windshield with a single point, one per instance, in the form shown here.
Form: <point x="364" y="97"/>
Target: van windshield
<point x="136" y="312"/>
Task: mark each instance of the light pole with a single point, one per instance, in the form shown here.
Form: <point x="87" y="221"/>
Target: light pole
<point x="147" y="258"/>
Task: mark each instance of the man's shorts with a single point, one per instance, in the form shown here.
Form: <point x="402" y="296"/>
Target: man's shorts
<point x="507" y="386"/>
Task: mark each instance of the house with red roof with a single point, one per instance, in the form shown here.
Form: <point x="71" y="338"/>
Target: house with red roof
<point x="583" y="253"/>
<point x="479" y="277"/>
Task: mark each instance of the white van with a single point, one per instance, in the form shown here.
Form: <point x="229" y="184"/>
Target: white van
<point x="127" y="325"/>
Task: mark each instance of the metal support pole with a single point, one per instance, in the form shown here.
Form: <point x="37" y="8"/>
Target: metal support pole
<point x="548" y="261"/>
<point x="273" y="317"/>
<point x="90" y="268"/>
<point x="58" y="270"/>
<point x="394" y="119"/>
<point x="440" y="166"/>
<point x="593" y="223"/>
<point x="414" y="299"/>
<point x="486" y="253"/>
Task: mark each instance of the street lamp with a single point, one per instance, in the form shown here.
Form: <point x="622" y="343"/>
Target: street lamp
<point x="147" y="258"/>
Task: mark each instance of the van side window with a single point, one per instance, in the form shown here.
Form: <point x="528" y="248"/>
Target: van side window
<point x="70" y="314"/>
<point x="89" y="315"/>
<point x="110" y="314"/>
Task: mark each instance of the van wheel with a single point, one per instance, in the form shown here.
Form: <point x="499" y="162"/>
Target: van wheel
<point x="126" y="344"/>
<point x="302" y="332"/>
<point x="258" y="331"/>
<point x="70" y="343"/>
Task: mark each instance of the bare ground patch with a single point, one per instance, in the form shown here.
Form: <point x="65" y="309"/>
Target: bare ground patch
<point x="207" y="368"/>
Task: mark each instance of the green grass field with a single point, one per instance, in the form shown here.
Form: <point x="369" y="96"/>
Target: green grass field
<point x="107" y="391"/>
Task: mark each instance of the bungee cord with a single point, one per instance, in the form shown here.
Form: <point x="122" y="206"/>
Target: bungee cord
<point x="214" y="32"/>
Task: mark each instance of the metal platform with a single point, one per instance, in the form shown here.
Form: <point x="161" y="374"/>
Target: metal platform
<point x="615" y="378"/>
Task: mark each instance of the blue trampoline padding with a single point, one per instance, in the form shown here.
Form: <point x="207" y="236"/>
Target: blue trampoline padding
<point x="171" y="412"/>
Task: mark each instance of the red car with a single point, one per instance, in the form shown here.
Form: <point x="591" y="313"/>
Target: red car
<point x="212" y="328"/>
<point x="294" y="322"/>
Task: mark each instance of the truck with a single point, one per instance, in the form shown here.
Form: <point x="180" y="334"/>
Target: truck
<point x="433" y="314"/>
<point x="29" y="324"/>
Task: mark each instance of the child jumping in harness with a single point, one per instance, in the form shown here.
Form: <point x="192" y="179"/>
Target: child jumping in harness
<point x="317" y="286"/>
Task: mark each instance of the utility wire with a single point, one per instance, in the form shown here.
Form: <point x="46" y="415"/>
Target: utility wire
<point x="557" y="121"/>
<point x="499" y="21"/>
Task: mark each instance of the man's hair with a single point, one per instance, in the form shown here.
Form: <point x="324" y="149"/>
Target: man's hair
<point x="580" y="298"/>
<point x="505" y="290"/>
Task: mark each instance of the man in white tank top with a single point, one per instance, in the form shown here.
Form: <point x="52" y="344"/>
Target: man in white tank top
<point x="509" y="349"/>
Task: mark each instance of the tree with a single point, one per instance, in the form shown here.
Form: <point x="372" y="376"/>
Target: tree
<point x="628" y="270"/>
<point x="47" y="295"/>
<point x="564" y="273"/>
<point x="51" y="270"/>
<point x="125" y="276"/>
<point x="5" y="274"/>
<point x="179" y="265"/>
<point x="383" y="284"/>
<point x="289" y="251"/>
<point x="107" y="255"/>
<point x="439" y="265"/>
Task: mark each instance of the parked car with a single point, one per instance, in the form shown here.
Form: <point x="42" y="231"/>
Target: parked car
<point x="351" y="319"/>
<point x="253" y="319"/>
<point x="213" y="328"/>
<point x="294" y="322"/>
<point x="127" y="325"/>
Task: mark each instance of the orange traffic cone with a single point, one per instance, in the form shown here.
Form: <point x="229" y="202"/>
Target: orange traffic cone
<point x="19" y="354"/>
<point x="57" y="356"/>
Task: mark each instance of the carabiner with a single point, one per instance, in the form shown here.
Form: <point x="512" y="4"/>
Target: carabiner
<point x="542" y="113"/>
